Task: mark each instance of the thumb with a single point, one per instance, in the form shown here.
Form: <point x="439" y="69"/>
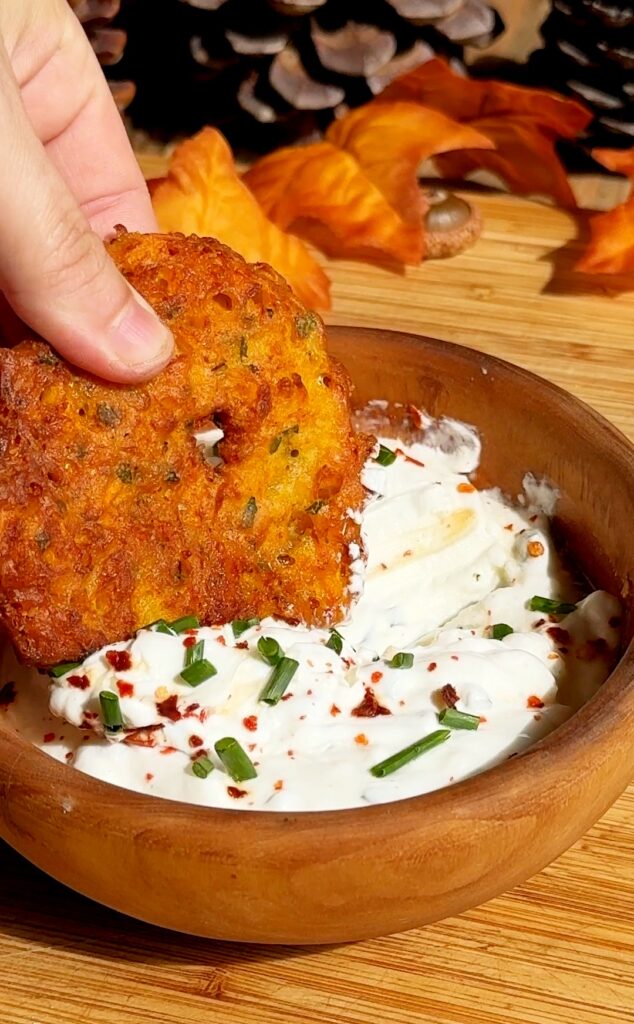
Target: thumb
<point x="56" y="273"/>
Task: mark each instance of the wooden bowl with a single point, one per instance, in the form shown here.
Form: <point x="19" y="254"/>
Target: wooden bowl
<point x="341" y="875"/>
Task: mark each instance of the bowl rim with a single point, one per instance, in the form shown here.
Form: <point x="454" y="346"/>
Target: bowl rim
<point x="609" y="713"/>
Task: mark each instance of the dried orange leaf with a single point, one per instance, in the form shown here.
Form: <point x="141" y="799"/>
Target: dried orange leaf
<point x="391" y="140"/>
<point x="523" y="124"/>
<point x="611" y="248"/>
<point x="325" y="188"/>
<point x="204" y="195"/>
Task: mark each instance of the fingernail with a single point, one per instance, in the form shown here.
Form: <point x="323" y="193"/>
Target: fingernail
<point x="139" y="340"/>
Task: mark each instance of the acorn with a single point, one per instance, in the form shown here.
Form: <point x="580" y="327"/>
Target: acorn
<point x="451" y="224"/>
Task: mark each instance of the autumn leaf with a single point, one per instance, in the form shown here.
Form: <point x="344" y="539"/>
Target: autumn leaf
<point x="611" y="248"/>
<point x="523" y="124"/>
<point x="390" y="140"/>
<point x="204" y="195"/>
<point x="325" y="188"/>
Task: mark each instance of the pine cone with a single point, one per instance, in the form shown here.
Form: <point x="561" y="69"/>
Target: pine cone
<point x="589" y="53"/>
<point x="269" y="71"/>
<point x="107" y="42"/>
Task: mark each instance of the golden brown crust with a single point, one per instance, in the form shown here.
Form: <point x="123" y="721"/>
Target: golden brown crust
<point x="110" y="516"/>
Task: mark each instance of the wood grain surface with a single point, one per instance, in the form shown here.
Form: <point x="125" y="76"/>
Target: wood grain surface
<point x="557" y="950"/>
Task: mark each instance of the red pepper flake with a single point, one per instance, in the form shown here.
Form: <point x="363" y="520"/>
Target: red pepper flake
<point x="449" y="695"/>
<point x="347" y="662"/>
<point x="190" y="710"/>
<point x="309" y="693"/>
<point x="49" y="737"/>
<point x="243" y="645"/>
<point x="204" y="714"/>
<point x="287" y="696"/>
<point x="361" y="739"/>
<point x="432" y="666"/>
<point x="168" y="750"/>
<point x="250" y="722"/>
<point x="196" y="741"/>
<point x="251" y="747"/>
<point x="69" y="757"/>
<point x="221" y="640"/>
<point x="535" y="548"/>
<point x="532" y="519"/>
<point x="168" y="708"/>
<point x="7" y="695"/>
<point x="191" y="632"/>
<point x="454" y="657"/>
<point x="334" y="710"/>
<point x="593" y="649"/>
<point x="149" y="776"/>
<point x="408" y="553"/>
<point x="369" y="706"/>
<point x="409" y="458"/>
<point x="482" y="719"/>
<point x="120" y="660"/>
<point x="376" y="677"/>
<point x="79" y="682"/>
<point x="290" y="753"/>
<point x="539" y="623"/>
<point x="235" y="792"/>
<point x="509" y="526"/>
<point x="143" y="737"/>
<point x="559" y="635"/>
<point x="125" y="689"/>
<point x="415" y="416"/>
<point x="278" y="785"/>
<point x="465" y="488"/>
<point x="534" y="702"/>
<point x="302" y="717"/>
<point x="189" y="641"/>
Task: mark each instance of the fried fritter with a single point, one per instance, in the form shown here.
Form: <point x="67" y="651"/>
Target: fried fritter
<point x="113" y="516"/>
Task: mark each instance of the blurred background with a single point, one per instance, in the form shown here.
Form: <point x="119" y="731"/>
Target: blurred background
<point x="270" y="72"/>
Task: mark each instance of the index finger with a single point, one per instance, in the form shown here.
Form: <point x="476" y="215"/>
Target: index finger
<point x="72" y="111"/>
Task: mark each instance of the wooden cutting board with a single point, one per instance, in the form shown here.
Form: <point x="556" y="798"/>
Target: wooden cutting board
<point x="557" y="950"/>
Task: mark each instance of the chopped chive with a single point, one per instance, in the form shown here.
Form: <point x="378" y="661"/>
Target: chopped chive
<point x="180" y="625"/>
<point x="316" y="507"/>
<point x="335" y="642"/>
<point x="458" y="719"/>
<point x="275" y="443"/>
<point x="198" y="673"/>
<point x="403" y="757"/>
<point x="386" y="456"/>
<point x="401" y="660"/>
<point x="279" y="679"/>
<point x="202" y="767"/>
<point x="61" y="670"/>
<point x="237" y="762"/>
<point x="162" y="627"/>
<point x="195" y="653"/>
<point x="547" y="604"/>
<point x="500" y="630"/>
<point x="110" y="711"/>
<point x="250" y="512"/>
<point x="270" y="650"/>
<point x="244" y="348"/>
<point x="240" y="626"/>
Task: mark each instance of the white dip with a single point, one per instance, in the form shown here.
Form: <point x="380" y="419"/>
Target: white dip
<point x="445" y="562"/>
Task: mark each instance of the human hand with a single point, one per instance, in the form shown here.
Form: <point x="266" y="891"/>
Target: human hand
<point x="67" y="176"/>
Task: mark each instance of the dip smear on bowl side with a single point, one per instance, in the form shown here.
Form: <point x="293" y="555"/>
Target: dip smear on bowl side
<point x="467" y="642"/>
